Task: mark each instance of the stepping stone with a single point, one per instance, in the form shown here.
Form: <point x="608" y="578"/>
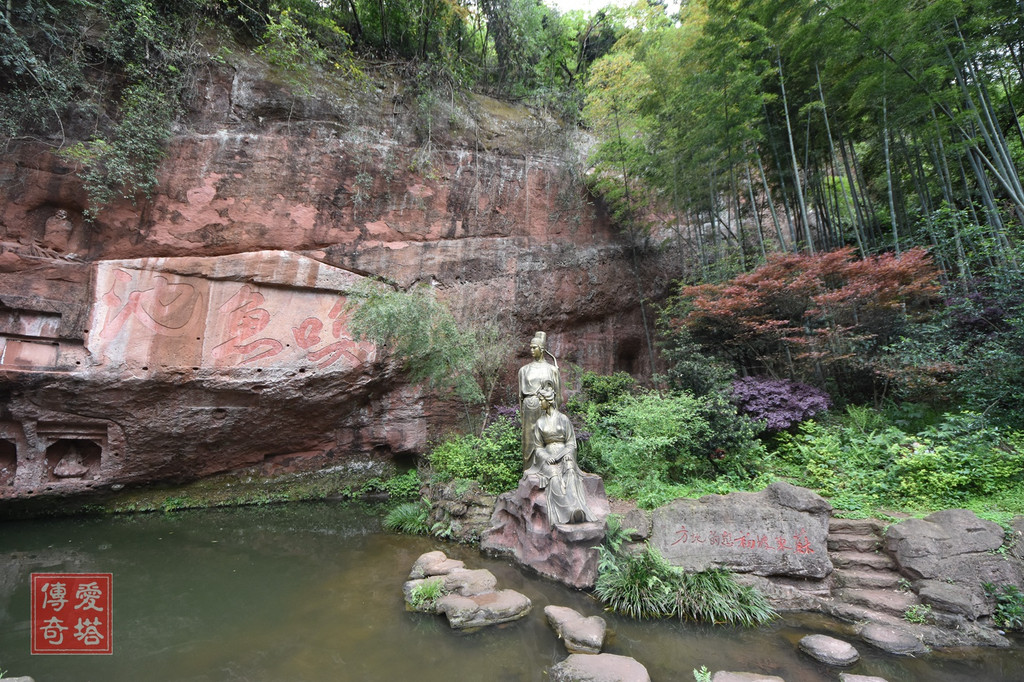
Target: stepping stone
<point x="847" y="677"/>
<point x="725" y="676"/>
<point x="842" y="542"/>
<point x="829" y="650"/>
<point x="581" y="635"/>
<point x="893" y="638"/>
<point x="434" y="563"/>
<point x="598" y="668"/>
<point x="469" y="582"/>
<point x="480" y="610"/>
<point x="866" y="579"/>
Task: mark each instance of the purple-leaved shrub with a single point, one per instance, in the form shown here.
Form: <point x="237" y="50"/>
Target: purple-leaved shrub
<point x="779" y="403"/>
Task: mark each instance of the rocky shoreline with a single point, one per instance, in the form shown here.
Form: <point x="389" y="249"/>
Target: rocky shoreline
<point x="905" y="587"/>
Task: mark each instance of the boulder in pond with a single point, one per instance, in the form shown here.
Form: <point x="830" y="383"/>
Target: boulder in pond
<point x="467" y="597"/>
<point x="848" y="677"/>
<point x="479" y="610"/>
<point x="829" y="650"/>
<point x="598" y="668"/>
<point x="581" y="634"/>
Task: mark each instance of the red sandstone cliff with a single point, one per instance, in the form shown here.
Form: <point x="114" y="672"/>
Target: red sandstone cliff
<point x="202" y="330"/>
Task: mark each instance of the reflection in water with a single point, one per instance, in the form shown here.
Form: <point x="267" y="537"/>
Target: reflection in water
<point x="313" y="592"/>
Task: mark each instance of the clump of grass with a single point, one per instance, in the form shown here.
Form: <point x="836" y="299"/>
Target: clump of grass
<point x="424" y="596"/>
<point x="408" y="517"/>
<point x="645" y="585"/>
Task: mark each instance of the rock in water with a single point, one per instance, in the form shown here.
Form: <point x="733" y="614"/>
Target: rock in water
<point x="598" y="668"/>
<point x="829" y="650"/>
<point x="581" y="634"/>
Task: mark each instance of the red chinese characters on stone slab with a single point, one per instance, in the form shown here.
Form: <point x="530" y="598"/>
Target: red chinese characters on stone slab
<point x="71" y="613"/>
<point x="800" y="545"/>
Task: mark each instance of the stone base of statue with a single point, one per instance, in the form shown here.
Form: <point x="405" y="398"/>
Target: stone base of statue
<point x="566" y="552"/>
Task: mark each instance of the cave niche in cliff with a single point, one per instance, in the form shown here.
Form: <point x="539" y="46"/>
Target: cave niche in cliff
<point x="8" y="462"/>
<point x="72" y="458"/>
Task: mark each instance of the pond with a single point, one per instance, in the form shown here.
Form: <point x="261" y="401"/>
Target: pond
<point x="313" y="592"/>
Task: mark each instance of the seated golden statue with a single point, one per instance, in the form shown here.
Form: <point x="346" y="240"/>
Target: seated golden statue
<point x="553" y="460"/>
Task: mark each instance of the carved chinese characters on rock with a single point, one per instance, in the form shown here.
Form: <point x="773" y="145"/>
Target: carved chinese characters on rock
<point x="72" y="613"/>
<point x="246" y="319"/>
<point x="145" y="320"/>
<point x="311" y="331"/>
<point x="798" y="543"/>
<point x="161" y="306"/>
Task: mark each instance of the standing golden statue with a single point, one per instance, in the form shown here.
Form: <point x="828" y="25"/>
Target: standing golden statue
<point x="533" y="377"/>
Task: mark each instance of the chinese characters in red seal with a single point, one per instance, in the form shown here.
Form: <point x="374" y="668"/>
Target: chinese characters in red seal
<point x="71" y="613"/>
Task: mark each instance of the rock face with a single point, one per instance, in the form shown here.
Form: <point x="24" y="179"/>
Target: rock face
<point x="780" y="531"/>
<point x="197" y="331"/>
<point x="563" y="552"/>
<point x="952" y="545"/>
<point x="463" y="509"/>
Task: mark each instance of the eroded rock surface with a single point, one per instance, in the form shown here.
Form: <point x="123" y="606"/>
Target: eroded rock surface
<point x="493" y="218"/>
<point x="564" y="552"/>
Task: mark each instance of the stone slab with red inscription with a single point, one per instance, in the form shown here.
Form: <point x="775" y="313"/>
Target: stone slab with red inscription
<point x="779" y="531"/>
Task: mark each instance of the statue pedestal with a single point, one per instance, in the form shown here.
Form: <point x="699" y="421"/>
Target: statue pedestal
<point x="566" y="552"/>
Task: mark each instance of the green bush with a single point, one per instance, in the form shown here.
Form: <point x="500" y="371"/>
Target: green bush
<point x="643" y="444"/>
<point x="494" y="458"/>
<point x="861" y="463"/>
<point x="1009" y="612"/>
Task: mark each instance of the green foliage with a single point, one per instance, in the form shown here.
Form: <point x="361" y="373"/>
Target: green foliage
<point x="399" y="488"/>
<point x="408" y="517"/>
<point x="494" y="458"/>
<point x="644" y="444"/>
<point x="702" y="674"/>
<point x="125" y="163"/>
<point x="420" y="332"/>
<point x="1009" y="613"/>
<point x="424" y="596"/>
<point x="645" y="585"/>
<point x="602" y="389"/>
<point x="861" y="463"/>
<point x="918" y="613"/>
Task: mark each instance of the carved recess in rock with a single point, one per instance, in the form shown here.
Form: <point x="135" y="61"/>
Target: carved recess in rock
<point x="781" y="530"/>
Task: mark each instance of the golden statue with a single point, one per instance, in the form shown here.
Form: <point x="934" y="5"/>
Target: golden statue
<point x="532" y="377"/>
<point x="553" y="460"/>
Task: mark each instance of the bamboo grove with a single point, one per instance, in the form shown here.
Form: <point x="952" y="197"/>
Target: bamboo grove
<point x="809" y="125"/>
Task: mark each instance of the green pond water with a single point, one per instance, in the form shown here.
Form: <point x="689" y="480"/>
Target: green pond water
<point x="313" y="592"/>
